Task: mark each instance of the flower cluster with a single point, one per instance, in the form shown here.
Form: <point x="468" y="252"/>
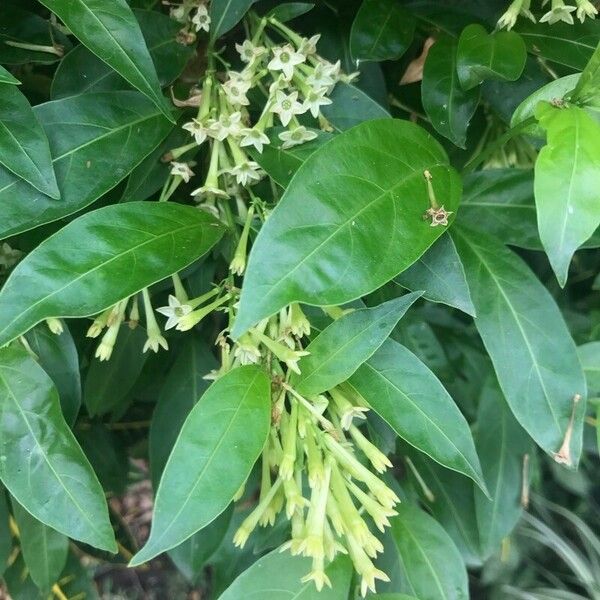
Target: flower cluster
<point x="193" y="15"/>
<point x="559" y="11"/>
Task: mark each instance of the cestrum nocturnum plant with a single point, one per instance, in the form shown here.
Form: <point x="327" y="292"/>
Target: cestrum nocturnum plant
<point x="323" y="278"/>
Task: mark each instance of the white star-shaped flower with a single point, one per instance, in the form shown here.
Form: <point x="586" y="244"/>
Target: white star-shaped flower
<point x="225" y="126"/>
<point x="254" y="137"/>
<point x="246" y="172"/>
<point x="198" y="130"/>
<point x="286" y="106"/>
<point x="181" y="169"/>
<point x="174" y="311"/>
<point x="285" y="58"/>
<point x="296" y="136"/>
<point x="201" y="20"/>
<point x="314" y="100"/>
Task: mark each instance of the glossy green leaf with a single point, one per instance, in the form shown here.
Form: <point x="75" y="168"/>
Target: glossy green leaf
<point x="24" y="27"/>
<point x="554" y="91"/>
<point x="452" y="504"/>
<point x="382" y="30"/>
<point x="281" y="163"/>
<point x="56" y="484"/>
<point x="219" y="443"/>
<point x="587" y="90"/>
<point x="567" y="178"/>
<point x="536" y="364"/>
<point x="57" y="355"/>
<point x="502" y="445"/>
<point x="351" y="106"/>
<point x="44" y="549"/>
<point x="449" y="107"/>
<point x="127" y="247"/>
<point x="279" y="575"/>
<point x="481" y="55"/>
<point x="6" y="541"/>
<point x="343" y="346"/>
<point x="589" y="355"/>
<point x="95" y="141"/>
<point x="183" y="387"/>
<point x="410" y="398"/>
<point x="226" y="14"/>
<point x="108" y="383"/>
<point x="431" y="563"/>
<point x="322" y="243"/>
<point x="111" y="32"/>
<point x="24" y="148"/>
<point x="6" y="77"/>
<point x="441" y="275"/>
<point x="287" y="11"/>
<point x="569" y="45"/>
<point x="81" y="71"/>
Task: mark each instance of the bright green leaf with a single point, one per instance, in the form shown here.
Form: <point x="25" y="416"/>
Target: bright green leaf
<point x="322" y="243"/>
<point x="226" y="14"/>
<point x="6" y="77"/>
<point x="56" y="483"/>
<point x="587" y="90"/>
<point x="24" y="148"/>
<point x="343" y="346"/>
<point x="481" y="55"/>
<point x="410" y="398"/>
<point x="111" y="32"/>
<point x="382" y="30"/>
<point x="449" y="107"/>
<point x="567" y="178"/>
<point x="219" y="443"/>
<point x="127" y="247"/>
<point x="536" y="364"/>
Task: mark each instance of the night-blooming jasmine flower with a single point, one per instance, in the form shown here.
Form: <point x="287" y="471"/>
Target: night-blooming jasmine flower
<point x="174" y="311"/>
<point x="198" y="130"/>
<point x="308" y="46"/>
<point x="254" y="137"/>
<point x="516" y="8"/>
<point x="181" y="169"/>
<point x="285" y="58"/>
<point x="248" y="51"/>
<point x="585" y="9"/>
<point x="201" y="20"/>
<point x="296" y="136"/>
<point x="246" y="172"/>
<point x="155" y="338"/>
<point x="225" y="126"/>
<point x="559" y="12"/>
<point x="286" y="106"/>
<point x="314" y="100"/>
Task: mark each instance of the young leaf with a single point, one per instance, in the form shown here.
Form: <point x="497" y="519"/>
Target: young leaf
<point x="567" y="175"/>
<point x="343" y="346"/>
<point x="95" y="140"/>
<point x="127" y="247"/>
<point x="449" y="107"/>
<point x="382" y="30"/>
<point x="107" y="383"/>
<point x="322" y="244"/>
<point x="24" y="148"/>
<point x="440" y="273"/>
<point x="56" y="483"/>
<point x="44" y="549"/>
<point x="226" y="14"/>
<point x="279" y="575"/>
<point x="219" y="443"/>
<point x="410" y="398"/>
<point x="57" y="355"/>
<point x="112" y="33"/>
<point x="481" y="55"/>
<point x="502" y="445"/>
<point x="432" y="566"/>
<point x="536" y="364"/>
<point x="6" y="77"/>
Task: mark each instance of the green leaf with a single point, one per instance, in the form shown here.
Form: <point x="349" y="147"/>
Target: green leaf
<point x="381" y="30"/>
<point x="226" y="14"/>
<point x="18" y="583"/>
<point x="6" y="77"/>
<point x="569" y="45"/>
<point x="410" y="398"/>
<point x="127" y="247"/>
<point x="289" y="10"/>
<point x="6" y="542"/>
<point x="502" y="445"/>
<point x="480" y="55"/>
<point x="587" y="90"/>
<point x="536" y="364"/>
<point x="81" y="71"/>
<point x="278" y="575"/>
<point x="56" y="483"/>
<point x="432" y="565"/>
<point x="57" y="355"/>
<point x="449" y="107"/>
<point x="107" y="383"/>
<point x="219" y="443"/>
<point x="44" y="549"/>
<point x="183" y="387"/>
<point x="589" y="355"/>
<point x="553" y="91"/>
<point x="567" y="178"/>
<point x="281" y="163"/>
<point x="440" y="274"/>
<point x="322" y="243"/>
<point x="24" y="148"/>
<point x="351" y="106"/>
<point x="112" y="33"/>
<point x="95" y="140"/>
<point x="343" y="346"/>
